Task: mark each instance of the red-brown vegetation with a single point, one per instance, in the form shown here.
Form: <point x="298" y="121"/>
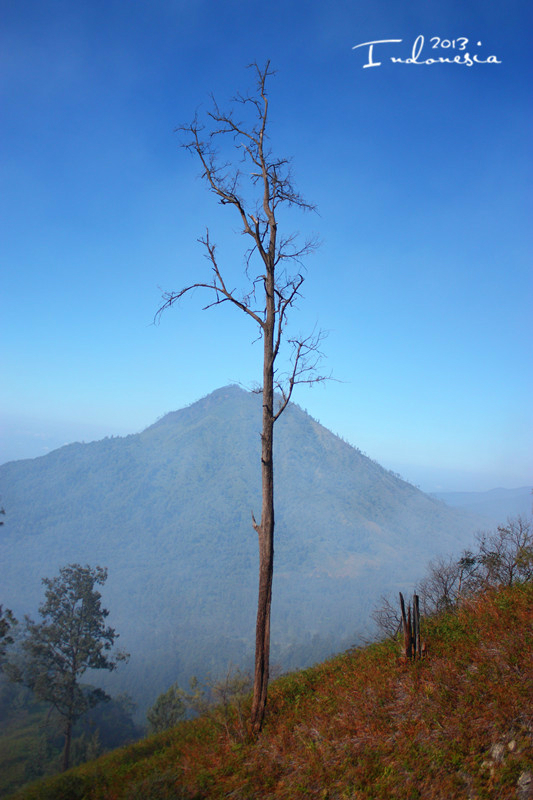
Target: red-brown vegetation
<point x="364" y="725"/>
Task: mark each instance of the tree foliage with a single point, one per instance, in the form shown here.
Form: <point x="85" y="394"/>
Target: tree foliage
<point x="169" y="709"/>
<point x="225" y="701"/>
<point x="7" y="620"/>
<point x="7" y="623"/>
<point x="70" y="639"/>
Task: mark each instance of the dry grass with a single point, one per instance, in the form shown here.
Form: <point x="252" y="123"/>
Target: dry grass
<point x="364" y="726"/>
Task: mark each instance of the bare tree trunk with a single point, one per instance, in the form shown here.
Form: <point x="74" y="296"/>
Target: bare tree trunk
<point x="265" y="530"/>
<point x="66" y="746"/>
<point x="266" y="570"/>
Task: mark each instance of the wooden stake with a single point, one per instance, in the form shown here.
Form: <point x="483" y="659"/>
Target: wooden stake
<point x="406" y="625"/>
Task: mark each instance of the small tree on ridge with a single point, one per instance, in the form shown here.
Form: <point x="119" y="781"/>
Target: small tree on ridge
<point x="70" y="639"/>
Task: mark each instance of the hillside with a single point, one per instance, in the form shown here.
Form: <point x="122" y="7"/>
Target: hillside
<point x="168" y="511"/>
<point x="362" y="725"/>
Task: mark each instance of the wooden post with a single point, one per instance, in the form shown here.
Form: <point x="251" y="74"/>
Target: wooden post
<point x="412" y="642"/>
<point x="417" y="644"/>
<point x="406" y="625"/>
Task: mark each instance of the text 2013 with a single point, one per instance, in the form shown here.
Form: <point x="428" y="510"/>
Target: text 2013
<point x="418" y="57"/>
<point x="459" y="44"/>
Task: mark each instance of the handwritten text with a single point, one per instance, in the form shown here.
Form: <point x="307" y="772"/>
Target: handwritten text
<point x="417" y="56"/>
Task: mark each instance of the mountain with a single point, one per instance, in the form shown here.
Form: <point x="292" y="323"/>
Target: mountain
<point x="168" y="511"/>
<point x="495" y="505"/>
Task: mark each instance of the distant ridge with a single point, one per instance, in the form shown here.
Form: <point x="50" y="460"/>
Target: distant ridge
<point x="495" y="505"/>
<point x="168" y="511"/>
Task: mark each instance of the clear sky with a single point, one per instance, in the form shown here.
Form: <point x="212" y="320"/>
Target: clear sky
<point x="421" y="174"/>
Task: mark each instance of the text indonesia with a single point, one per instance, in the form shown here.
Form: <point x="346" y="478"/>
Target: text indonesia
<point x="459" y="54"/>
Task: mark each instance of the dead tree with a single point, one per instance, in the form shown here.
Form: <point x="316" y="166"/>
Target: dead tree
<point x="255" y="185"/>
<point x="413" y="647"/>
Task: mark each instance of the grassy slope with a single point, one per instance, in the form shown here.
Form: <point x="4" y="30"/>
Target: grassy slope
<point x="18" y="737"/>
<point x="362" y="725"/>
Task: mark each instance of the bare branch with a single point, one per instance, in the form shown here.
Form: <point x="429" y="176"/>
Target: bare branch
<point x="218" y="286"/>
<point x="305" y="360"/>
<point x="387" y="617"/>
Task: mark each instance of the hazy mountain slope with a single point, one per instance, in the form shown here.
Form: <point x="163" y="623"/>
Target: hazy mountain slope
<point x="496" y="505"/>
<point x="168" y="511"/>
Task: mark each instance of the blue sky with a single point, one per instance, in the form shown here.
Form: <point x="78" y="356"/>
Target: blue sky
<point x="421" y="174"/>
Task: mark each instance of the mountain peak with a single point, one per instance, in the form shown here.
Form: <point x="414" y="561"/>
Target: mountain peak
<point x="232" y="392"/>
<point x="168" y="511"/>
